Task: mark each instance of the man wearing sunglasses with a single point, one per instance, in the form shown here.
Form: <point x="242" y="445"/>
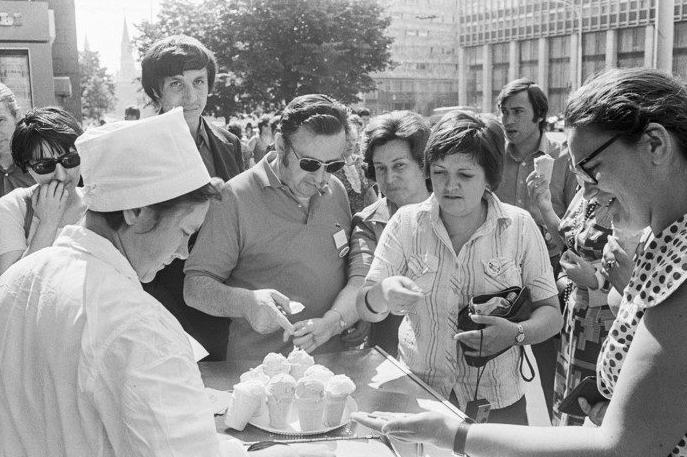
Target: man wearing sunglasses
<point x="280" y="235"/>
<point x="11" y="176"/>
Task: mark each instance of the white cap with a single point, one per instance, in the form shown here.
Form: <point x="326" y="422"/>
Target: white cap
<point x="131" y="164"/>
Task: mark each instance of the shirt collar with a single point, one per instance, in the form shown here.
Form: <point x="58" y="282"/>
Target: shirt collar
<point x="265" y="172"/>
<point x="379" y="211"/>
<point x="87" y="241"/>
<point x="545" y="147"/>
<point x="202" y="135"/>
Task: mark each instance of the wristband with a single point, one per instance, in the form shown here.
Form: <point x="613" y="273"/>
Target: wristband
<point x="367" y="304"/>
<point x="461" y="437"/>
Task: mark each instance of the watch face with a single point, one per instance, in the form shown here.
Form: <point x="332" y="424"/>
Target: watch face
<point x="520" y="337"/>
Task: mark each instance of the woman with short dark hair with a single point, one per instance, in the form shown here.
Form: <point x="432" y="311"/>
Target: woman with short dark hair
<point x="30" y="217"/>
<point x="393" y="144"/>
<point x="434" y="257"/>
<point x="627" y="132"/>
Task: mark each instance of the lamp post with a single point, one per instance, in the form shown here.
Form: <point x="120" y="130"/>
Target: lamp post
<point x="577" y="81"/>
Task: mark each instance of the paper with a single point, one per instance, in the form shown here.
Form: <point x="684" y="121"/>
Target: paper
<point x="219" y="400"/>
<point x="296" y="307"/>
<point x="199" y="351"/>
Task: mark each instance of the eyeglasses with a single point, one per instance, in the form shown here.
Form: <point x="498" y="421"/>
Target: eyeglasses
<point x="45" y="166"/>
<point x="312" y="165"/>
<point x="585" y="174"/>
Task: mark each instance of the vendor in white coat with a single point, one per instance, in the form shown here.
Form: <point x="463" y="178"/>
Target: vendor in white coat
<point x="91" y="364"/>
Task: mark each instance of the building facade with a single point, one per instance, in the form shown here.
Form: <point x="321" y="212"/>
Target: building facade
<point x="557" y="43"/>
<point x="38" y="53"/>
<point x="424" y="52"/>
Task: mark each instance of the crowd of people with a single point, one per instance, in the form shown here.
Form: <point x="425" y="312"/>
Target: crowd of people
<point x="121" y="245"/>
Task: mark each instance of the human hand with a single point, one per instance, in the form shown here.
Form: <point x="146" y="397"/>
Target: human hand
<point x="400" y="294"/>
<point x="579" y="270"/>
<point x="616" y="265"/>
<point x="499" y="334"/>
<point x="312" y="333"/>
<point x="428" y="427"/>
<point x="217" y="183"/>
<point x="266" y="313"/>
<point x="539" y="191"/>
<point x="357" y="334"/>
<point x="49" y="202"/>
<point x="595" y="412"/>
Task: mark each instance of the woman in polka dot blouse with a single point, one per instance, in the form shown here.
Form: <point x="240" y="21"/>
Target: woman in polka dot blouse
<point x="627" y="132"/>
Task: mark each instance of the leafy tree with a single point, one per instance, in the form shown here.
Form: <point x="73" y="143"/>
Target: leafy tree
<point x="270" y="51"/>
<point x="97" y="86"/>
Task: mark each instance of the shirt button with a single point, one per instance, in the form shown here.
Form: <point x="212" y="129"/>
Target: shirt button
<point x="519" y="201"/>
<point x="522" y="164"/>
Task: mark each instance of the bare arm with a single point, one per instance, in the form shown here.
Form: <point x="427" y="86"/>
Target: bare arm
<point x="646" y="416"/>
<point x="259" y="307"/>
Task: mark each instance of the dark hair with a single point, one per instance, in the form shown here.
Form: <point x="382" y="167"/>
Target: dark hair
<point x="264" y="121"/>
<point x="535" y="94"/>
<point x="43" y="129"/>
<point x="172" y="56"/>
<point x="462" y="132"/>
<point x="318" y="113"/>
<point x="274" y="123"/>
<point x="626" y="100"/>
<point x="235" y="128"/>
<point x="363" y="112"/>
<point x="115" y="219"/>
<point x="132" y="110"/>
<point x="396" y="125"/>
<point x="9" y="99"/>
<point x="355" y="119"/>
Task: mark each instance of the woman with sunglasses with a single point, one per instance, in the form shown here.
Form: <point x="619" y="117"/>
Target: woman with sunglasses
<point x="643" y="363"/>
<point x="462" y="242"/>
<point x="30" y="218"/>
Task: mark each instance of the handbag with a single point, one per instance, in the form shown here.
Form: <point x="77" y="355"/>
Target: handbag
<point x="519" y="310"/>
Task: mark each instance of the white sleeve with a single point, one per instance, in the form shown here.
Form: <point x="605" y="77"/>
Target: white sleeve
<point x="232" y="448"/>
<point x="12" y="214"/>
<point x="150" y="394"/>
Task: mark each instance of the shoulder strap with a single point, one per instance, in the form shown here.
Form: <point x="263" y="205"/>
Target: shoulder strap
<point x="28" y="218"/>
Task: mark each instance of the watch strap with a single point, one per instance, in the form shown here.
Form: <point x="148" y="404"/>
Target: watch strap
<point x="460" y="439"/>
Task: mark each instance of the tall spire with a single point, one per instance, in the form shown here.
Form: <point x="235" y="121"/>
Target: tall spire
<point x="127" y="69"/>
<point x="86" y="47"/>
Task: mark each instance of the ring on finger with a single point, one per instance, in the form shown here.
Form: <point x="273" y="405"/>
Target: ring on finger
<point x="611" y="264"/>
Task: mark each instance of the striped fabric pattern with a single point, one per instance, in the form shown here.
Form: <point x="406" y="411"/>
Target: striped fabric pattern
<point x="507" y="250"/>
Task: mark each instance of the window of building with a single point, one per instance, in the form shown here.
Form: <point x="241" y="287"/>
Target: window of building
<point x="15" y="73"/>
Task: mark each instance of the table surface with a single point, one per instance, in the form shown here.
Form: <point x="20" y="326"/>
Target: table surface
<point x="382" y="384"/>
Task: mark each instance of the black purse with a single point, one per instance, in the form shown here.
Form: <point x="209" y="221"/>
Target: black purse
<point x="519" y="310"/>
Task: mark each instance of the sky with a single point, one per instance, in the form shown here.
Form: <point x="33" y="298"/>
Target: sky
<point x="102" y="22"/>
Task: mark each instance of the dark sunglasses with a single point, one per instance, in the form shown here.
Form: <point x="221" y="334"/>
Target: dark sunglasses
<point x="312" y="165"/>
<point x="45" y="166"/>
<point x="585" y="174"/>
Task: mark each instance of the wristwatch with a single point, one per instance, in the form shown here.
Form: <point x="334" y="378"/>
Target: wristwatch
<point x="520" y="337"/>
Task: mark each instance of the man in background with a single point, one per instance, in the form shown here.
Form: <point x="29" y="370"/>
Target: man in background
<point x="523" y="106"/>
<point x="180" y="71"/>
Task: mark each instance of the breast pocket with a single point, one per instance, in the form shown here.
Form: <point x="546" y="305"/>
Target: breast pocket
<point x="423" y="270"/>
<point x="501" y="273"/>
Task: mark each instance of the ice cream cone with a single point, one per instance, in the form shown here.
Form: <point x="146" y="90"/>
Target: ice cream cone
<point x="334" y="408"/>
<point x="310" y="413"/>
<point x="247" y="400"/>
<point x="543" y="165"/>
<point x="279" y="410"/>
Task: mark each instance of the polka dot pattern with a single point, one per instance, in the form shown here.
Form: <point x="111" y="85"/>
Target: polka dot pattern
<point x="658" y="272"/>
